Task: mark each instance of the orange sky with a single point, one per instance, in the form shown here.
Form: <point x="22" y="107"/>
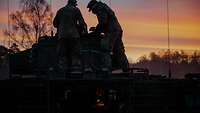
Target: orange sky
<point x="144" y="23"/>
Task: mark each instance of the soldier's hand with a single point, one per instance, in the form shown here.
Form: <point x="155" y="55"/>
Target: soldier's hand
<point x="92" y="29"/>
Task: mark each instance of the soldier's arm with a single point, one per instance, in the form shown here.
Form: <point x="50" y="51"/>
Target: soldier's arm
<point x="81" y="22"/>
<point x="102" y="19"/>
<point x="55" y="21"/>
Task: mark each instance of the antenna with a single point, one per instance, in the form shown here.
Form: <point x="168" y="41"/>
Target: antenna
<point x="48" y="82"/>
<point x="110" y="3"/>
<point x="168" y="37"/>
<point x="8" y="13"/>
<point x="51" y="19"/>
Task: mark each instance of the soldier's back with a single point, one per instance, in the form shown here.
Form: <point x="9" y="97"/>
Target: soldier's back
<point x="113" y="24"/>
<point x="68" y="21"/>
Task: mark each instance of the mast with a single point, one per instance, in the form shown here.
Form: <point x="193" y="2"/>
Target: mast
<point x="9" y="41"/>
<point x="51" y="19"/>
<point x="8" y="27"/>
<point x="168" y="40"/>
<point x="110" y="3"/>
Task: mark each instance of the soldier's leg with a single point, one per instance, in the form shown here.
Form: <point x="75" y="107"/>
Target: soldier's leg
<point x="106" y="50"/>
<point x="61" y="52"/>
<point x="68" y="55"/>
<point x="75" y="53"/>
<point x="60" y="48"/>
<point x="119" y="52"/>
<point x="107" y="63"/>
<point x="85" y="55"/>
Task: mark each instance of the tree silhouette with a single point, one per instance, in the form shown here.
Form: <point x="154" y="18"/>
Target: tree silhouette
<point x="154" y="57"/>
<point x="181" y="62"/>
<point x="184" y="57"/>
<point x="195" y="58"/>
<point x="30" y="22"/>
<point x="177" y="57"/>
<point x="143" y="59"/>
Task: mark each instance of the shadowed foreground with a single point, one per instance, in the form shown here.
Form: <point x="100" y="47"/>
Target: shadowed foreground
<point x="119" y="95"/>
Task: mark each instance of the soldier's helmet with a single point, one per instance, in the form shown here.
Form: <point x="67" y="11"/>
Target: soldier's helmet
<point x="91" y="4"/>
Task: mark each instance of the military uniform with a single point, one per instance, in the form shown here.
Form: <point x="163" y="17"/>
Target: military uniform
<point x="70" y="25"/>
<point x="108" y="24"/>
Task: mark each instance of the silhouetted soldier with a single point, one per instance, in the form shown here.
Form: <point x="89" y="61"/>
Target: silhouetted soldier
<point x="70" y="25"/>
<point x="109" y="25"/>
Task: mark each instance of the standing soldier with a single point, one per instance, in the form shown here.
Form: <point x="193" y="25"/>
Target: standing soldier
<point x="70" y="25"/>
<point x="109" y="25"/>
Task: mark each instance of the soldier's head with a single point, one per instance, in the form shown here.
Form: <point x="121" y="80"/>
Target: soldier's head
<point x="91" y="5"/>
<point x="72" y="2"/>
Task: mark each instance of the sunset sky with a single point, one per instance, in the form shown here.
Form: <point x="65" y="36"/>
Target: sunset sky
<point x="144" y="23"/>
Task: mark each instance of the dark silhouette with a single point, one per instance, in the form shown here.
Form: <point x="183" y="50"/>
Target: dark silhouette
<point x="4" y="67"/>
<point x="70" y="25"/>
<point x="92" y="55"/>
<point x="109" y="25"/>
<point x="3" y="51"/>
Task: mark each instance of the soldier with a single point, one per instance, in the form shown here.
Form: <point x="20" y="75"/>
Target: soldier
<point x="109" y="25"/>
<point x="70" y="25"/>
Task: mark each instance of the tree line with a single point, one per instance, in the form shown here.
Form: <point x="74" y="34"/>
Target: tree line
<point x="175" y="57"/>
